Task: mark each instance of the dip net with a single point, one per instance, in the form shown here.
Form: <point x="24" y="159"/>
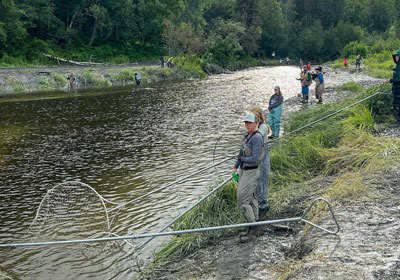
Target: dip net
<point x="71" y="210"/>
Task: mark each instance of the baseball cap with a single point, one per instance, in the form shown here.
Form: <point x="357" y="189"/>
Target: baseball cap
<point x="249" y="117"/>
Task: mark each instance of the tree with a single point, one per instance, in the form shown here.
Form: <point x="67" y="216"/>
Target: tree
<point x="12" y="30"/>
<point x="182" y="39"/>
<point x="223" y="44"/>
<point x="380" y="14"/>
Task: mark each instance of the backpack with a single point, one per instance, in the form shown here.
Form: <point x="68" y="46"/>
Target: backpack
<point x="308" y="81"/>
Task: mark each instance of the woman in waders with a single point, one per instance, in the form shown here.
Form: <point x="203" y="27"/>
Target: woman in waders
<point x="265" y="166"/>
<point x="250" y="156"/>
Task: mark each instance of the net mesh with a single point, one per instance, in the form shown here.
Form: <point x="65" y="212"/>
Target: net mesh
<point x="71" y="210"/>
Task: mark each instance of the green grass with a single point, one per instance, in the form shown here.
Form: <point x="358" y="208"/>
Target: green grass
<point x="93" y="78"/>
<point x="351" y="86"/>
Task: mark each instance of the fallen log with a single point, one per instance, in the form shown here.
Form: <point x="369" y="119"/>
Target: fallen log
<point x="70" y="61"/>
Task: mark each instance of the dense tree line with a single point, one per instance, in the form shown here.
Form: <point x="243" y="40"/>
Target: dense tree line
<point x="218" y="30"/>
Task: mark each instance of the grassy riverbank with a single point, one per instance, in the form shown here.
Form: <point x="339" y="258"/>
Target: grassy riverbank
<point x="378" y="65"/>
<point x="327" y="159"/>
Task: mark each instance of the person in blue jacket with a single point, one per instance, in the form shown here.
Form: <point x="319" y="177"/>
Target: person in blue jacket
<point x="275" y="112"/>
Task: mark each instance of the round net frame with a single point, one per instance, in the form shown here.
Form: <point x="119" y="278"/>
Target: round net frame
<point x="71" y="210"/>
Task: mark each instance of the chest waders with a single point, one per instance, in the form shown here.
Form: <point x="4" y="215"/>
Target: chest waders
<point x="274" y="120"/>
<point x="248" y="177"/>
<point x="263" y="180"/>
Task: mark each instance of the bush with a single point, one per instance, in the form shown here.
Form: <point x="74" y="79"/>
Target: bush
<point x="126" y="75"/>
<point x="45" y="83"/>
<point x="190" y="64"/>
<point x="19" y="88"/>
<point x="92" y="78"/>
<point x="59" y="80"/>
<point x="354" y="48"/>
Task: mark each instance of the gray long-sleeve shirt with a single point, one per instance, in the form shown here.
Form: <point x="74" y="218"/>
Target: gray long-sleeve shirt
<point x="255" y="143"/>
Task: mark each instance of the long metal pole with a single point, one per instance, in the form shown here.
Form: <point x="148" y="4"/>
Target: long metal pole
<point x="198" y="230"/>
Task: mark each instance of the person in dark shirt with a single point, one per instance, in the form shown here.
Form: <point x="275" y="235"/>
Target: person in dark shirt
<point x="138" y="79"/>
<point x="275" y="112"/>
<point x="395" y="81"/>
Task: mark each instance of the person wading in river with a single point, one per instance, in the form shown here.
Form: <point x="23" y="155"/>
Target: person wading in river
<point x="249" y="159"/>
<point x="265" y="166"/>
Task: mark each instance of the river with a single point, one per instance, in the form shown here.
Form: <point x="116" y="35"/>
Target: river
<point x="124" y="142"/>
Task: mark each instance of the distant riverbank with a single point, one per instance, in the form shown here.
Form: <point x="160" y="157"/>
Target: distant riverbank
<point x="46" y="78"/>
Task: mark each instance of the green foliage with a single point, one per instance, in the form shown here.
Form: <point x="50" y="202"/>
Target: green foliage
<point x="351" y="86"/>
<point x="361" y="118"/>
<point x="354" y="48"/>
<point x="59" y="80"/>
<point x="45" y="83"/>
<point x="19" y="88"/>
<point x="380" y="65"/>
<point x="92" y="78"/>
<point x="126" y="75"/>
<point x="190" y="64"/>
<point x="223" y="44"/>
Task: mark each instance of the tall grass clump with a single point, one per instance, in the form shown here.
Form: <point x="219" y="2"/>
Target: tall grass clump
<point x="219" y="209"/>
<point x="126" y="75"/>
<point x="59" y="80"/>
<point x="359" y="149"/>
<point x="45" y="83"/>
<point x="361" y="118"/>
<point x="381" y="105"/>
<point x="351" y="86"/>
<point x="92" y="78"/>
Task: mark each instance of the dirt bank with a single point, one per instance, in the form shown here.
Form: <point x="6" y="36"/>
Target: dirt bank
<point x="55" y="77"/>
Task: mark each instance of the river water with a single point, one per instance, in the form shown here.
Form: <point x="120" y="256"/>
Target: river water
<point x="124" y="142"/>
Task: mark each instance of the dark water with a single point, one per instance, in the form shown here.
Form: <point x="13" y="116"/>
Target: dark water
<point x="123" y="142"/>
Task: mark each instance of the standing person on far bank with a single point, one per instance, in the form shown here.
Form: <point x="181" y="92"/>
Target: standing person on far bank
<point x="249" y="158"/>
<point x="319" y="84"/>
<point x="395" y="81"/>
<point x="358" y="62"/>
<point x="275" y="112"/>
